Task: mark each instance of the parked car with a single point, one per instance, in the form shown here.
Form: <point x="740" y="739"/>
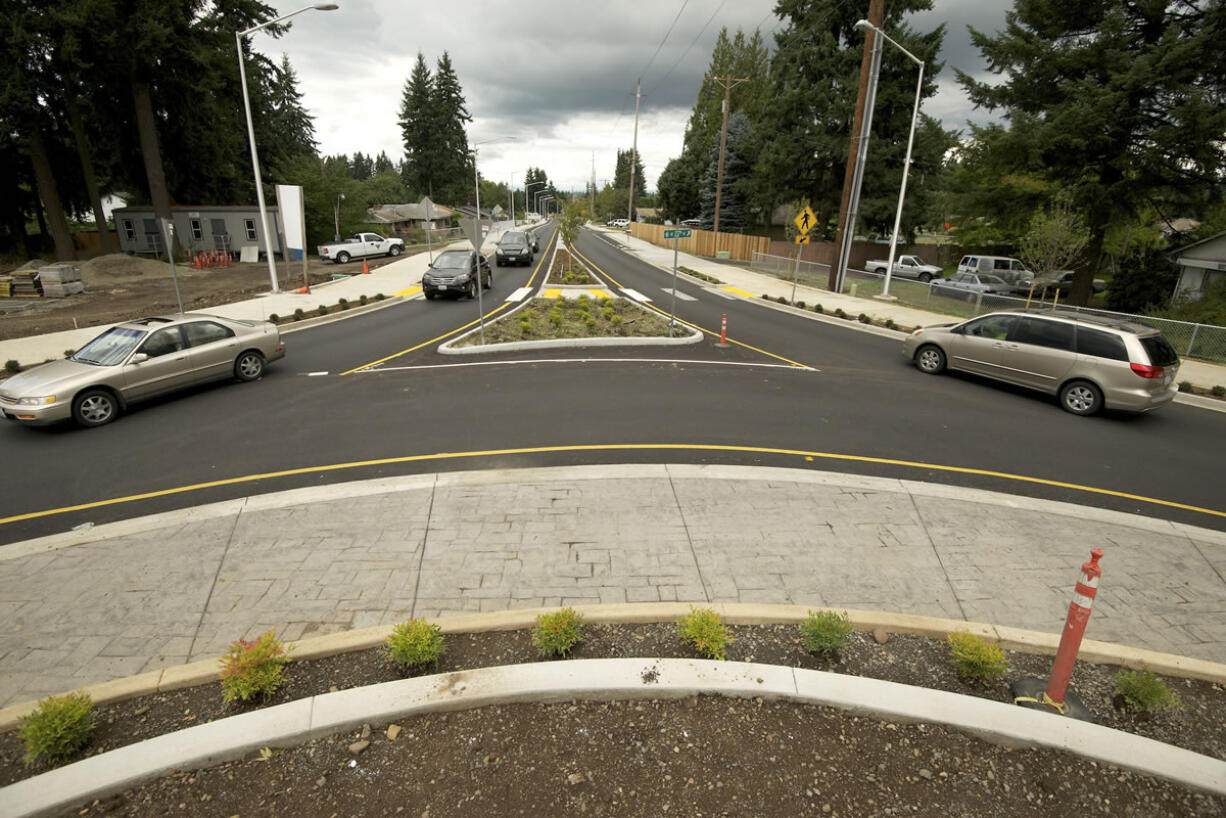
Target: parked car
<point x="969" y="284"/>
<point x="455" y="272"/>
<point x="1091" y="362"/>
<point x="692" y="223"/>
<point x="1063" y="284"/>
<point x="361" y="245"/>
<point x="991" y="264"/>
<point x="136" y="360"/>
<point x="617" y="223"/>
<point x="1019" y="281"/>
<point x="906" y="267"/>
<point x="513" y="248"/>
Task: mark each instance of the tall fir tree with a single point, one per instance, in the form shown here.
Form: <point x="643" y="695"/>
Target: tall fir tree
<point x="420" y="170"/>
<point x="450" y="119"/>
<point x="732" y="207"/>
<point x="1118" y="104"/>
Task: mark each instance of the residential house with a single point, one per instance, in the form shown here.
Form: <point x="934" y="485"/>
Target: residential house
<point x="1201" y="265"/>
<point x="400" y="218"/>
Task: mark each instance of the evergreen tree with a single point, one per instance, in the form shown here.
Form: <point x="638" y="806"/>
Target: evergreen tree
<point x="420" y="170"/>
<point x="732" y="208"/>
<point x="291" y="120"/>
<point x="621" y="173"/>
<point x="383" y="164"/>
<point x="362" y="167"/>
<point x="450" y="119"/>
<point x="1118" y="103"/>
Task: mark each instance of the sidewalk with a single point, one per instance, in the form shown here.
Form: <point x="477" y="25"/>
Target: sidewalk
<point x="754" y="284"/>
<point x="88" y="606"/>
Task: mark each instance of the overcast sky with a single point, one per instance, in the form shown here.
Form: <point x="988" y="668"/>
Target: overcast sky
<point x="557" y="75"/>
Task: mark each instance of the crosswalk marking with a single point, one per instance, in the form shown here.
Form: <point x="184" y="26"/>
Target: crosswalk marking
<point x="684" y="297"/>
<point x="635" y="294"/>
<point x="520" y="294"/>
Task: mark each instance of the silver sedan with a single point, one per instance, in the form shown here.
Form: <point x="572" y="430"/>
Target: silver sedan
<point x="138" y="360"/>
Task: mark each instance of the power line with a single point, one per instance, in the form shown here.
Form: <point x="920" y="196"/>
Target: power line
<point x="663" y="41"/>
<point x="693" y="42"/>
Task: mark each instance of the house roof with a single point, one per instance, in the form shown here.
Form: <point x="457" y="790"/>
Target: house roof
<point x="392" y="213"/>
<point x="647" y="212"/>
<point x="1220" y="255"/>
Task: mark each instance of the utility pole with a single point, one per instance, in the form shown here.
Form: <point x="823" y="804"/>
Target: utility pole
<point x="857" y="151"/>
<point x="592" y="194"/>
<point x="727" y="82"/>
<point x="634" y="156"/>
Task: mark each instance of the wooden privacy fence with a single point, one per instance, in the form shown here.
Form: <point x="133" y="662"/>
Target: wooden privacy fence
<point x="704" y="242"/>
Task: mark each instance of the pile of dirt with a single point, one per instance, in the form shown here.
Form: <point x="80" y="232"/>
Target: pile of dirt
<point x="117" y="266"/>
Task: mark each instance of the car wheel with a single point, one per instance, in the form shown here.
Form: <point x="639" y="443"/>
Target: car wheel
<point x="925" y="277"/>
<point x="94" y="407"/>
<point x="342" y="257"/>
<point x="472" y="290"/>
<point x="1081" y="397"/>
<point x="429" y="295"/>
<point x="930" y="359"/>
<point x="394" y="250"/>
<point x="249" y="366"/>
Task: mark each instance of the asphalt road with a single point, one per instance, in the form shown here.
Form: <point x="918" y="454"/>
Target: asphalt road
<point x="788" y="390"/>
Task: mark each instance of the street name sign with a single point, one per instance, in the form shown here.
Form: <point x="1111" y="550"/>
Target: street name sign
<point x="677" y="234"/>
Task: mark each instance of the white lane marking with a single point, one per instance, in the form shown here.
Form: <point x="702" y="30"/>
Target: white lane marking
<point x="520" y="294"/>
<point x="315" y="374"/>
<point x="669" y="292"/>
<point x="635" y="294"/>
<point x="586" y="361"/>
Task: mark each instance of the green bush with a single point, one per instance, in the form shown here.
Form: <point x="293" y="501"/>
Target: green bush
<point x="414" y="644"/>
<point x="343" y="303"/>
<point x="57" y="728"/>
<point x="1144" y="692"/>
<point x="250" y="669"/>
<point x="525" y="326"/>
<point x="379" y="296"/>
<point x="274" y="318"/>
<point x="781" y="299"/>
<point x="818" y="308"/>
<point x="825" y="632"/>
<point x="615" y="320"/>
<point x="767" y="297"/>
<point x="889" y="324"/>
<point x="703" y="630"/>
<point x="608" y="313"/>
<point x="323" y="310"/>
<point x="11" y="366"/>
<point x="68" y="353"/>
<point x="557" y="633"/>
<point x="1186" y="386"/>
<point x="839" y="313"/>
<point x="864" y="319"/>
<point x="299" y="314"/>
<point x="1218" y="391"/>
<point x="975" y="659"/>
<point x="800" y="305"/>
<point x="362" y="299"/>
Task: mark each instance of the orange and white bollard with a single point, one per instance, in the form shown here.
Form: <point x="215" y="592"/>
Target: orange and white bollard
<point x="723" y="331"/>
<point x="1055" y="695"/>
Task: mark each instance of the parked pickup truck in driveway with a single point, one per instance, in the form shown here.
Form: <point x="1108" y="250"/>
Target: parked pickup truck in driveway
<point x="906" y="267"/>
<point x="361" y="245"/>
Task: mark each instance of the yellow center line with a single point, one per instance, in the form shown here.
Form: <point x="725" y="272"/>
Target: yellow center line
<point x="447" y="335"/>
<point x="614" y="447"/>
<point x="695" y="326"/>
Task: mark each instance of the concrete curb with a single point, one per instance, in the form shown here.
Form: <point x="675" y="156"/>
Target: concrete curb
<point x="339" y="315"/>
<point x="1024" y="641"/>
<point x="597" y="680"/>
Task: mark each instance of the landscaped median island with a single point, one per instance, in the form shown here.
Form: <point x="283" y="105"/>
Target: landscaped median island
<point x="574" y="305"/>
<point x="706" y="755"/>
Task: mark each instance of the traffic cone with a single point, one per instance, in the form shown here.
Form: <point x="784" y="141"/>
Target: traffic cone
<point x="365" y="269"/>
<point x="302" y="291"/>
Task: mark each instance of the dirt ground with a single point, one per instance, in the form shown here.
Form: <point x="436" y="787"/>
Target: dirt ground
<point x="120" y="287"/>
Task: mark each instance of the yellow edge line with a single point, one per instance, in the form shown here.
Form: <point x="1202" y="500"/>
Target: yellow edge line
<point x="609" y="447"/>
<point x="447" y="335"/>
<point x="409" y="291"/>
<point x="737" y="291"/>
<point x="695" y="326"/>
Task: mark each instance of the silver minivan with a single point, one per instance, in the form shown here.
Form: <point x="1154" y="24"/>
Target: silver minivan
<point x="1090" y="362"/>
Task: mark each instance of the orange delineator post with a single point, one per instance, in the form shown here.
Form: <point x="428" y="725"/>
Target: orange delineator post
<point x="723" y="330"/>
<point x="1074" y="627"/>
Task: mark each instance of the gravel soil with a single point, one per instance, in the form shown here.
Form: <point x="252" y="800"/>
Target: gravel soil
<point x="564" y="264"/>
<point x="701" y="756"/>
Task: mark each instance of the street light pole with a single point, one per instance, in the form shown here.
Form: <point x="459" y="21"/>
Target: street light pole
<point x="255" y="159"/>
<point x="528" y="187"/>
<point x="902" y="190"/>
<point x="513" y="200"/>
<point x="336" y="215"/>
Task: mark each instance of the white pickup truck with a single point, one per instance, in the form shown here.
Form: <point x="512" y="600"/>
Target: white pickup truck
<point x="361" y="245"/>
<point x="906" y="267"/>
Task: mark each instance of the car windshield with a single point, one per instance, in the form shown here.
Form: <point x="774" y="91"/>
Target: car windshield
<point x="110" y="348"/>
<point x="452" y="261"/>
<point x="512" y="239"/>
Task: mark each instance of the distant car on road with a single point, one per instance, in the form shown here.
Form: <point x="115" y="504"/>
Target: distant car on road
<point x="906" y="267"/>
<point x="1063" y="283"/>
<point x="617" y="223"/>
<point x="513" y="248"/>
<point x="361" y="245"/>
<point x="1090" y="362"/>
<point x="454" y="272"/>
<point x="136" y="360"/>
<point x="692" y="223"/>
<point x="969" y="284"/>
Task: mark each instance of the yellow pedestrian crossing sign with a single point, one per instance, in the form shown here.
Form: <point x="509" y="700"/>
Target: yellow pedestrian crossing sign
<point x="805" y="220"/>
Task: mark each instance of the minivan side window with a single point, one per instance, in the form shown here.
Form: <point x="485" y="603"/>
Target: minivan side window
<point x="1000" y="264"/>
<point x="1100" y="344"/>
<point x="1043" y="333"/>
<point x="990" y="326"/>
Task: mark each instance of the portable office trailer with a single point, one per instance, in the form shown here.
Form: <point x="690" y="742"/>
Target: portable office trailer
<point x="198" y="229"/>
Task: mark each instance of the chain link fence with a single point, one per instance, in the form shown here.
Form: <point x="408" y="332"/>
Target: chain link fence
<point x="1204" y="341"/>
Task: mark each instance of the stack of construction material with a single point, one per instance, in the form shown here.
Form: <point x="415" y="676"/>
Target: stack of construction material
<point x="22" y="285"/>
<point x="6" y="286"/>
<point x="60" y="280"/>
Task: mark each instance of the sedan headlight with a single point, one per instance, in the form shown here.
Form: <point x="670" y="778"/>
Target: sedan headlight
<point x="463" y="277"/>
<point x="36" y="401"/>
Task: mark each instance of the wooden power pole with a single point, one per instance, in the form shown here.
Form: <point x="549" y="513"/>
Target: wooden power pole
<point x="727" y="82"/>
<point x="845" y="233"/>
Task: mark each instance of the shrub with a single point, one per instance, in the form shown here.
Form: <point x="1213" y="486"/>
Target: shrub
<point x="864" y="319"/>
<point x="589" y="322"/>
<point x="1218" y="391"/>
<point x="800" y="304"/>
<point x="767" y="297"/>
<point x="1185" y="386"/>
<point x="839" y="312"/>
<point x="1144" y="692"/>
<point x="974" y="658"/>
<point x="68" y="353"/>
<point x="299" y="314"/>
<point x="343" y="303"/>
<point x="414" y="644"/>
<point x="703" y="630"/>
<point x="889" y="324"/>
<point x="525" y="326"/>
<point x="273" y="317"/>
<point x="362" y="299"/>
<point x="323" y="310"/>
<point x="818" y="308"/>
<point x="250" y="669"/>
<point x="615" y="320"/>
<point x="781" y="299"/>
<point x="825" y="632"/>
<point x="11" y="366"/>
<point x="557" y="633"/>
<point x="608" y="314"/>
<point x="59" y="727"/>
<point x="379" y="296"/>
<point x="583" y="300"/>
